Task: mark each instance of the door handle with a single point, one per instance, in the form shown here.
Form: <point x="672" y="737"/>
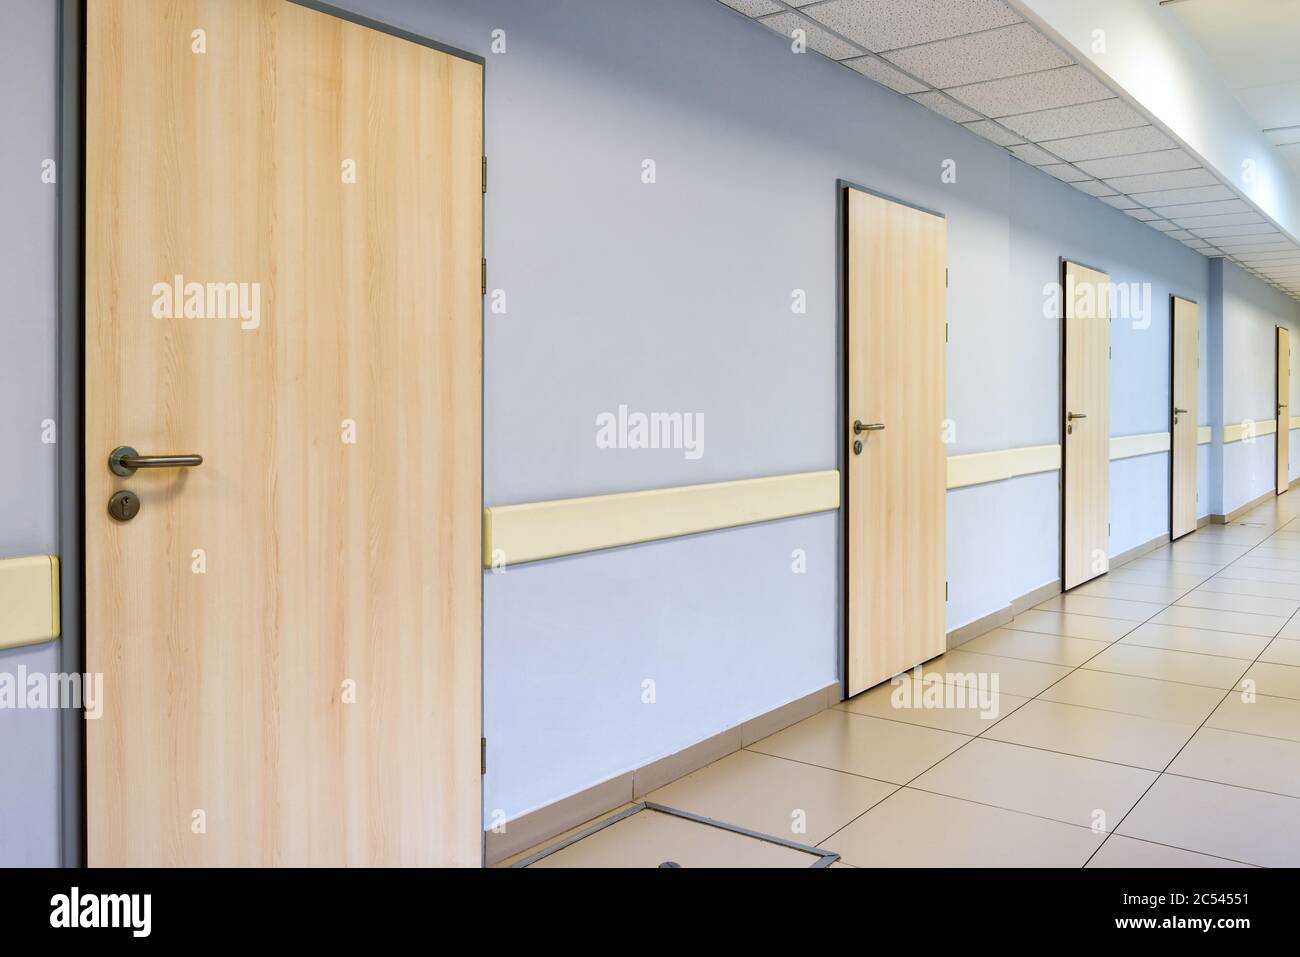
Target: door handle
<point x="1071" y="416"/>
<point x="124" y="461"/>
<point x="859" y="428"/>
<point x="1178" y="410"/>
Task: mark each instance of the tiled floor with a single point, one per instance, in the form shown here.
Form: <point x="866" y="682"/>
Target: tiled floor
<point x="1149" y="718"/>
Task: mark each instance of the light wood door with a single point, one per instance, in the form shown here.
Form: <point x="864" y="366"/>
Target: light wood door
<point x="897" y="304"/>
<point x="1085" y="475"/>
<point x="1283" y="410"/>
<point x="289" y="633"/>
<point x="1185" y="365"/>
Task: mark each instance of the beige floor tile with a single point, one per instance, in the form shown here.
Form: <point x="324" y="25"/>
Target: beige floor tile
<point x="563" y="836"/>
<point x="1278" y="681"/>
<point x="1014" y="675"/>
<point x="1205" y="553"/>
<point x="1058" y="786"/>
<point x="1121" y="851"/>
<point x="913" y="828"/>
<point x="1273" y="717"/>
<point x="787" y="799"/>
<point x="1089" y="733"/>
<point x="649" y="838"/>
<point x="1291" y="629"/>
<point x="1263" y="561"/>
<point x="885" y="750"/>
<point x="1166" y="563"/>
<point x="1239" y="586"/>
<point x="1217" y="819"/>
<point x="1253" y="604"/>
<point x="1160" y="574"/>
<point x="1145" y="697"/>
<point x="1276" y="550"/>
<point x="1120" y="608"/>
<point x="1209" y="671"/>
<point x="1196" y="640"/>
<point x="1282" y="651"/>
<point x="1237" y="622"/>
<point x="1108" y="588"/>
<point x="1071" y="626"/>
<point x="936" y="704"/>
<point x="1033" y="646"/>
<point x="1246" y="760"/>
<point x="1260" y="574"/>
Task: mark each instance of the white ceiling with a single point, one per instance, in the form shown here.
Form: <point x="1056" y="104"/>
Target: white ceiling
<point x="1256" y="46"/>
<point x="977" y="63"/>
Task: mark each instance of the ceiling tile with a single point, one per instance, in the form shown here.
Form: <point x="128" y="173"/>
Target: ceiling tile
<point x="889" y="24"/>
<point x="1262" y="258"/>
<point x="1144" y="139"/>
<point x="1273" y="236"/>
<point x="1034" y="91"/>
<point x="754" y="8"/>
<point x="1152" y="181"/>
<point x="884" y="74"/>
<point x="1261" y="248"/>
<point x="1142" y="213"/>
<point x="1079" y="120"/>
<point x="1245" y="229"/>
<point x="991" y="131"/>
<point x="1064" y="172"/>
<point x="1033" y="155"/>
<point x="945" y="106"/>
<point x="1181" y="234"/>
<point x="1163" y="225"/>
<point x="820" y="40"/>
<point x="1171" y="197"/>
<point x="1158" y="162"/>
<point x="1203" y="209"/>
<point x="1093" y="188"/>
<point x="1195" y="243"/>
<point x="987" y="55"/>
<point x="1229" y="219"/>
<point x="1123" y="202"/>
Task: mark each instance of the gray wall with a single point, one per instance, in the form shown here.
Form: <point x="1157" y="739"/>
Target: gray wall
<point x="29" y="740"/>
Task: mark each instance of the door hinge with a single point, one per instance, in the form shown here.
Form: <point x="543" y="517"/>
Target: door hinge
<point x="945" y="332"/>
<point x="1110" y="352"/>
<point x="485" y="277"/>
<point x="485" y="174"/>
<point x="482" y="755"/>
<point x="945" y="591"/>
<point x="945" y="278"/>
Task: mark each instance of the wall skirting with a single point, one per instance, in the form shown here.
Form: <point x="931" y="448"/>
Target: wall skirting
<point x="1241" y="510"/>
<point x="996" y="619"/>
<point x="1137" y="551"/>
<point x="531" y="829"/>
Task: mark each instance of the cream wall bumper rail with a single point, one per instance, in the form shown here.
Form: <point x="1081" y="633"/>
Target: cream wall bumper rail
<point x="537" y="530"/>
<point x="29" y="600"/>
<point x="513" y="534"/>
<point x="1240" y="431"/>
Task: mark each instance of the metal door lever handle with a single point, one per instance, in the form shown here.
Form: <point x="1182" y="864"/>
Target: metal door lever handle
<point x="859" y="428"/>
<point x="1071" y="416"/>
<point x="1178" y="410"/>
<point x="124" y="461"/>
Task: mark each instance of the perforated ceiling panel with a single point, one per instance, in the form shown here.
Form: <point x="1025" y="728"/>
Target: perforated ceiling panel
<point x="977" y="63"/>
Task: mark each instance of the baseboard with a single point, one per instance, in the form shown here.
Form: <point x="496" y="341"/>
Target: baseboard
<point x="997" y="619"/>
<point x="546" y="822"/>
<point x="1205" y="519"/>
<point x="1137" y="551"/>
<point x="1241" y="510"/>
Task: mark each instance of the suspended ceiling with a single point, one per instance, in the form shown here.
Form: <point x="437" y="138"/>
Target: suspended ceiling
<point x="979" y="64"/>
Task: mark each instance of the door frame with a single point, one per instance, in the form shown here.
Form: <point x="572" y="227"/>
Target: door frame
<point x="1173" y="332"/>
<point x="1283" y="429"/>
<point x="1061" y="263"/>
<point x="841" y="427"/>
<point x="71" y="495"/>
